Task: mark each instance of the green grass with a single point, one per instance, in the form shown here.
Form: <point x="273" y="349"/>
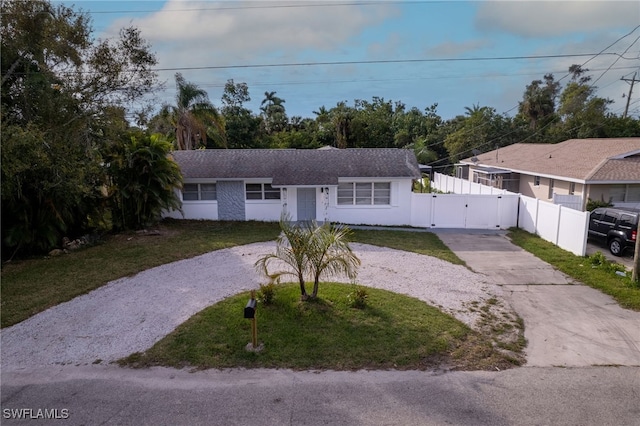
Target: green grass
<point x="580" y="268"/>
<point x="31" y="286"/>
<point x="392" y="331"/>
<point x="425" y="243"/>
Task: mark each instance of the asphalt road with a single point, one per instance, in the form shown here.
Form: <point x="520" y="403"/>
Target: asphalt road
<point x="108" y="395"/>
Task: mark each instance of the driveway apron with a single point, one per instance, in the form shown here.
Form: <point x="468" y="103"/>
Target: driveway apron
<point x="566" y="323"/>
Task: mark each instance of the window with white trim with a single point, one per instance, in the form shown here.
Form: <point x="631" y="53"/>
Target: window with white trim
<point x="551" y="187"/>
<point x="536" y="181"/>
<point x="261" y="191"/>
<point x="572" y="188"/>
<point x="199" y="192"/>
<point x="364" y="193"/>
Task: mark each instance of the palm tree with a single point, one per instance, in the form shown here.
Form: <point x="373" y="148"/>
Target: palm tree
<point x="330" y="253"/>
<point x="194" y="117"/>
<point x="309" y="250"/>
<point x="273" y="111"/>
<point x="143" y="180"/>
<point x="291" y="254"/>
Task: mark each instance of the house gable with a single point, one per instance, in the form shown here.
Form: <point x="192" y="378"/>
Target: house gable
<point x="575" y="160"/>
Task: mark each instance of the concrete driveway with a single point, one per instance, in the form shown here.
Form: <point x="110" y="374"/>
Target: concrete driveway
<point x="566" y="323"/>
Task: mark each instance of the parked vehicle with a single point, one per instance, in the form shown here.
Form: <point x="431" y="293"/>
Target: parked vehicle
<point x="615" y="226"/>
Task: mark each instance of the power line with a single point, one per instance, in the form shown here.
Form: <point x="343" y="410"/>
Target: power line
<point x="390" y="61"/>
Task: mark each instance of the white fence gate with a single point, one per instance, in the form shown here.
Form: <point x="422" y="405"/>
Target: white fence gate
<point x="471" y="211"/>
<point x="563" y="226"/>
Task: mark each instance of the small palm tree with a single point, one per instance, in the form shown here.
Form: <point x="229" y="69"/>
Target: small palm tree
<point x="330" y="253"/>
<point x="291" y="254"/>
<point x="310" y="250"/>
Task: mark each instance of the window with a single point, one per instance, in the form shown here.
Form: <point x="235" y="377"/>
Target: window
<point x="616" y="193"/>
<point x="624" y="193"/>
<point x="262" y="191"/>
<point x="551" y="184"/>
<point x="627" y="221"/>
<point x="364" y="193"/>
<point x="536" y="181"/>
<point x="609" y="217"/>
<point x="199" y="191"/>
<point x="572" y="188"/>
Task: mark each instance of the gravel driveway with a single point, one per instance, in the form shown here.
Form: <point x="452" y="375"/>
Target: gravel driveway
<point x="131" y="314"/>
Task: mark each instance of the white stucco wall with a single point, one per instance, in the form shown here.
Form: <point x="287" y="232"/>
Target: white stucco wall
<point x="263" y="210"/>
<point x="398" y="213"/>
<point x="327" y="208"/>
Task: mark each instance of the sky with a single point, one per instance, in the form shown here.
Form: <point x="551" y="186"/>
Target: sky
<point x="315" y="53"/>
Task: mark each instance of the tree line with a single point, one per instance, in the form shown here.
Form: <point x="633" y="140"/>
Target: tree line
<point x="78" y="158"/>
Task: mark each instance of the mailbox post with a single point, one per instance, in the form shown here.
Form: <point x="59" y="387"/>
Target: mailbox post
<point x="250" y="313"/>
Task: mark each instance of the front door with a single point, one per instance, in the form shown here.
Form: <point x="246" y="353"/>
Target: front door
<point x="306" y="204"/>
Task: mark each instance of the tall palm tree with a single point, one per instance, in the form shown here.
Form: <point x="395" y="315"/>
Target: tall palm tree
<point x="194" y="117"/>
<point x="273" y="112"/>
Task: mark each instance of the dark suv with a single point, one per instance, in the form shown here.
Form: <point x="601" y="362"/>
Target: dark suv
<point x="615" y="226"/>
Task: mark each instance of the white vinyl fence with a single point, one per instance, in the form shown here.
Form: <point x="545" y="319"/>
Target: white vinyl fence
<point x="563" y="226"/>
<point x="472" y="211"/>
<point x="450" y="184"/>
<point x="571" y="201"/>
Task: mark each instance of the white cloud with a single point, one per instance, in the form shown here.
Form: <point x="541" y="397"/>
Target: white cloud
<point x="554" y="18"/>
<point x="223" y="33"/>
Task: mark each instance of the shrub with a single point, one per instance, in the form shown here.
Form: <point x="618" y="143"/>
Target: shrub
<point x="267" y="293"/>
<point x="594" y="204"/>
<point x="357" y="298"/>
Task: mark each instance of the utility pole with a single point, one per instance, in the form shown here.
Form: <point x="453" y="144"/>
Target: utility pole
<point x="633" y="80"/>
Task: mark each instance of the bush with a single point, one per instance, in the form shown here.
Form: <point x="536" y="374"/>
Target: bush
<point x="594" y="204"/>
<point x="357" y="298"/>
<point x="267" y="293"/>
<point x="598" y="260"/>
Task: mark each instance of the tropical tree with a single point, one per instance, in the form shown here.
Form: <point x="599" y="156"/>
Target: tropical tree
<point x="292" y="246"/>
<point x="194" y="118"/>
<point x="482" y="128"/>
<point x="64" y="98"/>
<point x="330" y="253"/>
<point x="273" y="113"/>
<point x="143" y="180"/>
<point x="309" y="250"/>
<point x="242" y="126"/>
<point x="539" y="102"/>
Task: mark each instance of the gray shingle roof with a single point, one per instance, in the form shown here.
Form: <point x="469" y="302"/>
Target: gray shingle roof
<point x="297" y="166"/>
<point x="583" y="159"/>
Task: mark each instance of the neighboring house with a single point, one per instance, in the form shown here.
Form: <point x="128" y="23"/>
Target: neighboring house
<point x="352" y="186"/>
<point x="572" y="171"/>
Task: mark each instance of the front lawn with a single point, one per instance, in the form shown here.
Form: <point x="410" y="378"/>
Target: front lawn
<point x="580" y="268"/>
<point x="31" y="286"/>
<point x="392" y="331"/>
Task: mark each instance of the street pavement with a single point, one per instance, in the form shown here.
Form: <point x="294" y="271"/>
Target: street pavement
<point x="109" y="395"/>
<point x="583" y="368"/>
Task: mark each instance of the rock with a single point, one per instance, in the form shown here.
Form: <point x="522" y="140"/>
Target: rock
<point x="56" y="252"/>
